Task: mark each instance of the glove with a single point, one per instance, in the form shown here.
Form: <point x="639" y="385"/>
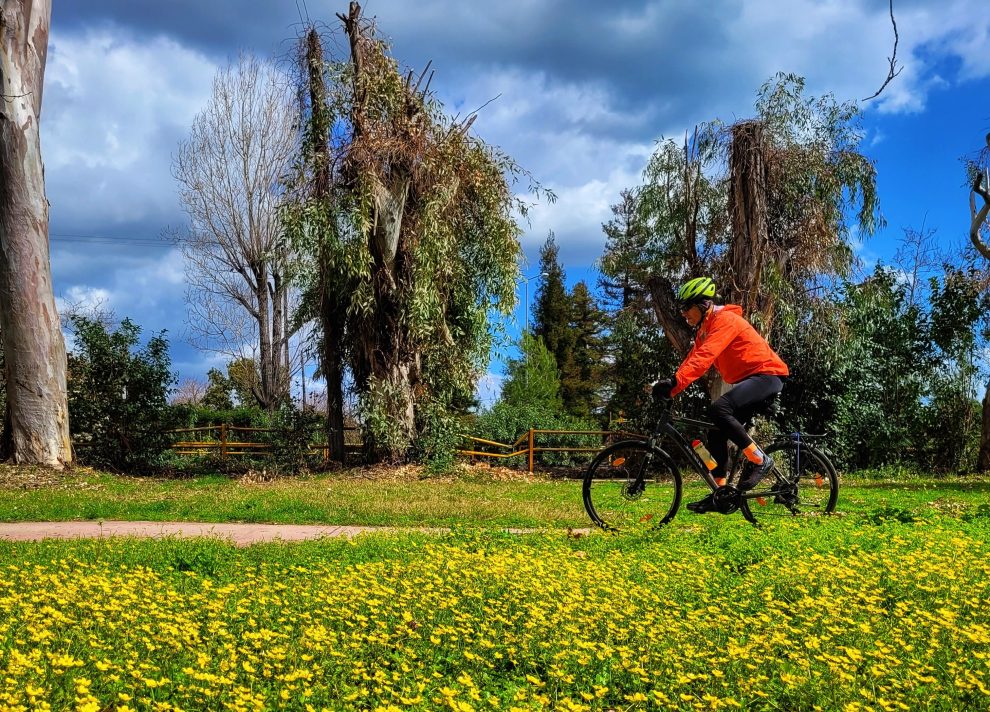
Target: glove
<point x="662" y="389"/>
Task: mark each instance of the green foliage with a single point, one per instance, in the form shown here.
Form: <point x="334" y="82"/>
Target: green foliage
<point x="294" y="434"/>
<point x="441" y="433"/>
<point x="218" y="395"/>
<point x="533" y="377"/>
<point x="118" y="395"/>
<point x="551" y="308"/>
<point x="186" y="415"/>
<point x="417" y="299"/>
<point x="507" y="421"/>
<point x="581" y="376"/>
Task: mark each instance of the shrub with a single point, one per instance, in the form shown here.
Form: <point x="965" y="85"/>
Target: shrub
<point x="118" y="395"/>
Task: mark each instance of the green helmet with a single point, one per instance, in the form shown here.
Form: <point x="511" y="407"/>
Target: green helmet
<point x="696" y="290"/>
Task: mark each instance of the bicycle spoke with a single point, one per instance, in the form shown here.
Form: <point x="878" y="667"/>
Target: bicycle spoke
<point x="627" y="486"/>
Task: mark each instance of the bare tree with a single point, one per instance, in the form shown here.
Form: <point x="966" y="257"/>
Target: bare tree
<point x="979" y="223"/>
<point x="37" y="422"/>
<point x="190" y="391"/>
<point x="230" y="170"/>
<point x="979" y="218"/>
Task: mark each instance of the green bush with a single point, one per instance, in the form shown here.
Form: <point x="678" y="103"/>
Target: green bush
<point x="293" y="436"/>
<point x="441" y="434"/>
<point x="506" y="422"/>
<point x="118" y="396"/>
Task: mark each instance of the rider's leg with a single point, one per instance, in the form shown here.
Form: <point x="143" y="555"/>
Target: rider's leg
<point x="718" y="446"/>
<point x="738" y="405"/>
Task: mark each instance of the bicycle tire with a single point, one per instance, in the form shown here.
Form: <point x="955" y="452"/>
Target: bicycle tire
<point x="814" y="490"/>
<point x="617" y="498"/>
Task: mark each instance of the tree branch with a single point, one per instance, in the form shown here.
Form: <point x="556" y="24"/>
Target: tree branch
<point x="894" y="70"/>
<point x="979" y="218"/>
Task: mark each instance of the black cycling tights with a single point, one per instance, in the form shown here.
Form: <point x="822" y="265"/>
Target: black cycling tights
<point x="732" y="410"/>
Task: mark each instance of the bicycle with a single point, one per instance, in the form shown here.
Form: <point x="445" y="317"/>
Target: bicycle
<point x="636" y="482"/>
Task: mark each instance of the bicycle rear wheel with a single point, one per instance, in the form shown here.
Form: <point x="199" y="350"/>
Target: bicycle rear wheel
<point x="803" y="484"/>
<point x="630" y="485"/>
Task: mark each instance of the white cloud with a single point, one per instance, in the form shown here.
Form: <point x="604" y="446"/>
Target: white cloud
<point x="84" y="299"/>
<point x="114" y="110"/>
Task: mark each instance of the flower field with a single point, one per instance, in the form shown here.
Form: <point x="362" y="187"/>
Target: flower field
<point x="845" y="614"/>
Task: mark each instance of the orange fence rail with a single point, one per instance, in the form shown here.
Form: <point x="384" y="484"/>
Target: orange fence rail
<point x="526" y="444"/>
<point x="227" y="440"/>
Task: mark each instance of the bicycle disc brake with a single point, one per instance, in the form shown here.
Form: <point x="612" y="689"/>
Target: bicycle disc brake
<point x="634" y="489"/>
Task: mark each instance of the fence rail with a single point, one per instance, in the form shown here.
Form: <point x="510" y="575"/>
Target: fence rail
<point x="228" y="442"/>
<point x="525" y="444"/>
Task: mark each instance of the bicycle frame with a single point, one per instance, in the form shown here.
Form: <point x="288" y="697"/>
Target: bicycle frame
<point x="665" y="429"/>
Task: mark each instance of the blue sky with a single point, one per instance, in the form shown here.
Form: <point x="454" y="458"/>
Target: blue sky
<point x="585" y="89"/>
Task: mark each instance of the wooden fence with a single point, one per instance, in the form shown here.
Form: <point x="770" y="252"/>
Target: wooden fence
<point x="526" y="444"/>
<point x="230" y="440"/>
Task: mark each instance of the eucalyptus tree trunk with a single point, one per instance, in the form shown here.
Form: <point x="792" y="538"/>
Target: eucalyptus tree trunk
<point x="34" y="350"/>
<point x="333" y="307"/>
<point x="750" y="227"/>
<point x="384" y="355"/>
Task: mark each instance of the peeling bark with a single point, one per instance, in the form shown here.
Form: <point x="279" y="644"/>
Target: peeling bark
<point x="34" y="349"/>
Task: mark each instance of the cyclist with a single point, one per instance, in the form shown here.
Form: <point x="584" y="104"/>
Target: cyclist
<point x="725" y="339"/>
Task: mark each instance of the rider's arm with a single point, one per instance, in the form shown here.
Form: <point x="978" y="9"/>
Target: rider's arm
<point x="703" y="354"/>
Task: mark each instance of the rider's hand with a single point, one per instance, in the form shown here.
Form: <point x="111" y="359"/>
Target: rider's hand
<point x="662" y="389"/>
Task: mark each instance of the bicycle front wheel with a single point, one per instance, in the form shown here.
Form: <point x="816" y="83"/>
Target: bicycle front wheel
<point x="803" y="484"/>
<point x="630" y="485"/>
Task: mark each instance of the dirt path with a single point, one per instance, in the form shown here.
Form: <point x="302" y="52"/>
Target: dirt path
<point x="238" y="534"/>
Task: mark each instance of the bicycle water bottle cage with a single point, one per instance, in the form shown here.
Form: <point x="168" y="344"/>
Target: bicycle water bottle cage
<point x="726" y="499"/>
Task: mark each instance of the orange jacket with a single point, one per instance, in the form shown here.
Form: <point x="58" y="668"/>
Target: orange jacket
<point x="728" y="341"/>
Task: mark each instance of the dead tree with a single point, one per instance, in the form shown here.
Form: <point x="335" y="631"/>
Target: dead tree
<point x="978" y="223"/>
<point x="37" y="419"/>
<point x="332" y="288"/>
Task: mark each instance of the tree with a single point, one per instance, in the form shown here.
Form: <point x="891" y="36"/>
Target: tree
<point x="980" y="175"/>
<point x="218" y="391"/>
<point x="237" y="261"/>
<point x="551" y="307"/>
<point x="762" y="206"/>
<point x="118" y="395"/>
<point x="636" y="350"/>
<point x="533" y="378"/>
<point x="36" y="422"/>
<point x="316" y="221"/>
<point x="581" y="379"/>
<point x="421" y="218"/>
<point x="190" y="391"/>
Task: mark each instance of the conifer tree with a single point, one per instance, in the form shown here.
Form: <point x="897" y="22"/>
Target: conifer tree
<point x="552" y="310"/>
<point x="581" y="376"/>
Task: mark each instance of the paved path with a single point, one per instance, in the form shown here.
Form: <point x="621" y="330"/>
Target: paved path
<point x="239" y="534"/>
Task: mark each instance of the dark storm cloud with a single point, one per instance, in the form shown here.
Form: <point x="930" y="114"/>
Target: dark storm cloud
<point x="645" y="53"/>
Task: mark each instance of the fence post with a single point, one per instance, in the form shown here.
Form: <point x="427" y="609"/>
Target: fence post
<point x="223" y="441"/>
<point x="531" y="451"/>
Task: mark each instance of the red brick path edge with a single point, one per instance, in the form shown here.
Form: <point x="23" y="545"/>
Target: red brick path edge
<point x="238" y="534"/>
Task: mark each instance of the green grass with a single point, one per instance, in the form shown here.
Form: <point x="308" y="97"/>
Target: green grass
<point x="471" y="499"/>
<point x="843" y="613"/>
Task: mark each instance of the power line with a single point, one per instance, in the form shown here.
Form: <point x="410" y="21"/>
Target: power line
<point x="110" y="240"/>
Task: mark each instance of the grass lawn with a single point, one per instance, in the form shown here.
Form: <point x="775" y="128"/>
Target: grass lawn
<point x="881" y="609"/>
<point x="481" y="496"/>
